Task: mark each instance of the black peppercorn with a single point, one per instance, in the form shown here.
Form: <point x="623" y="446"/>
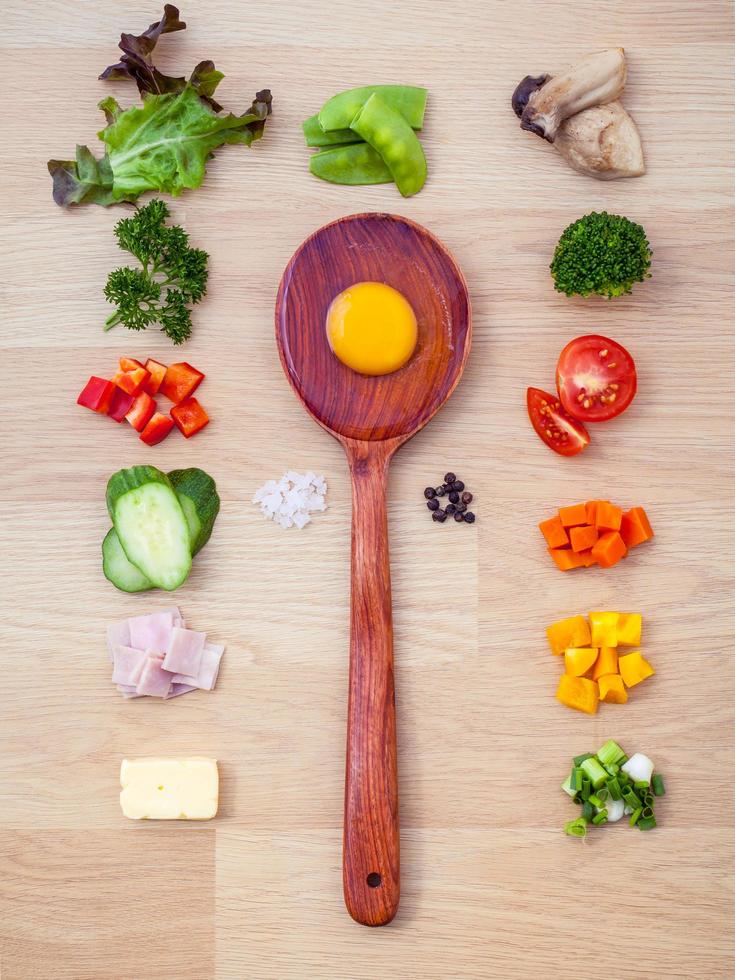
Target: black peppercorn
<point x="429" y="493"/>
<point x="469" y="517"/>
<point x="458" y="486"/>
<point x="451" y="509"/>
<point x="459" y="517"/>
<point x="461" y="508"/>
<point x="439" y="516"/>
<point x="449" y="477"/>
<point x="454" y="497"/>
<point x="440" y="491"/>
<point x="467" y="497"/>
<point x="432" y="504"/>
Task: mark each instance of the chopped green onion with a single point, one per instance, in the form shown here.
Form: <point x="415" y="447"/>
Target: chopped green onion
<point x="576" y="828"/>
<point x="630" y="798"/>
<point x="596" y="801"/>
<point x="634" y="816"/>
<point x="610" y="753"/>
<point x="648" y="799"/>
<point x="586" y="789"/>
<point x="657" y="784"/>
<point x="615" y="810"/>
<point x="603" y="794"/>
<point x="613" y="787"/>
<point x="612" y="769"/>
<point x="592" y="768"/>
<point x="647" y="812"/>
<point x="641" y="784"/>
<point x="576" y="779"/>
<point x="579" y="759"/>
<point x="577" y="800"/>
<point x="646" y="823"/>
<point x="567" y="787"/>
<point x="599" y="818"/>
<point x="623" y="778"/>
<point x="588" y="811"/>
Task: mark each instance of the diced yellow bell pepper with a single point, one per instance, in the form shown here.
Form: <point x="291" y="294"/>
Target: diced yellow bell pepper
<point x="629" y="629"/>
<point x="572" y="632"/>
<point x="606" y="663"/>
<point x="604" y="629"/>
<point x="578" y="692"/>
<point x="634" y="668"/>
<point x="612" y="689"/>
<point x="578" y="660"/>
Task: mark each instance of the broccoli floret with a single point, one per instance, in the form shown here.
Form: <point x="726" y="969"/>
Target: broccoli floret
<point x="601" y="254"/>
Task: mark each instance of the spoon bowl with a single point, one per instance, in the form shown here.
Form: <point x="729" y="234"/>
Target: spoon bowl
<point x="372" y="417"/>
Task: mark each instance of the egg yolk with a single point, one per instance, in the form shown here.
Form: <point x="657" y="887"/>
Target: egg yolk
<point x="372" y="328"/>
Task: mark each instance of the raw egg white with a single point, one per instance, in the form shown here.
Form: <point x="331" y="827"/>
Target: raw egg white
<point x="372" y="328"/>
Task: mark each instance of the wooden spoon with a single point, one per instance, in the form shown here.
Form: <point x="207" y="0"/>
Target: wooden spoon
<point x="372" y="417"/>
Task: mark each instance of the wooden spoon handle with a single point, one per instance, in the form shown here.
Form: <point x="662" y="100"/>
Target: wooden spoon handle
<point x="371" y="838"/>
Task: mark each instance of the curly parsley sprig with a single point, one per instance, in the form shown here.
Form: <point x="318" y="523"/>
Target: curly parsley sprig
<point x="172" y="278"/>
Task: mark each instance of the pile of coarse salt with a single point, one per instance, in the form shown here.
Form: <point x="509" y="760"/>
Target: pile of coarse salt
<point x="290" y="501"/>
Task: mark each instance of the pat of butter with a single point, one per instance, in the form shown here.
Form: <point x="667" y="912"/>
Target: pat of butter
<point x="169" y="789"/>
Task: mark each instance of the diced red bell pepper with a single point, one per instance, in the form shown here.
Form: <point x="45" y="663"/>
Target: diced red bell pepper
<point x="131" y="381"/>
<point x="129" y="364"/>
<point x="97" y="395"/>
<point x="141" y="412"/>
<point x="120" y="405"/>
<point x="157" y="429"/>
<point x="157" y="372"/>
<point x="189" y="416"/>
<point x="181" y="380"/>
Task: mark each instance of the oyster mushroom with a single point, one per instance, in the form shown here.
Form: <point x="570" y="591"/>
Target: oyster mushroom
<point x="596" y="80"/>
<point x="602" y="142"/>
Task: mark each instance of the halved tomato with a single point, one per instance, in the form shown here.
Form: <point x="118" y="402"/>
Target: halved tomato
<point x="596" y="378"/>
<point x="557" y="428"/>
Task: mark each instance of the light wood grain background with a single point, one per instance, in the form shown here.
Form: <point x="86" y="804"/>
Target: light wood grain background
<point x="491" y="887"/>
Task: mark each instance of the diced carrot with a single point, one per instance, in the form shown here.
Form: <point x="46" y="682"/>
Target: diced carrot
<point x="583" y="537"/>
<point x="609" y="549"/>
<point x="606" y="663"/>
<point x="574" y="515"/>
<point x="129" y="364"/>
<point x="552" y="530"/>
<point x="571" y="632"/>
<point x="612" y="689"/>
<point x="566" y="559"/>
<point x="587" y="558"/>
<point x="608" y="516"/>
<point x="635" y="527"/>
<point x="578" y="660"/>
<point x="578" y="692"/>
<point x="591" y="507"/>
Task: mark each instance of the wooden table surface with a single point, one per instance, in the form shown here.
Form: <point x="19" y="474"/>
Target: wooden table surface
<point x="491" y="886"/>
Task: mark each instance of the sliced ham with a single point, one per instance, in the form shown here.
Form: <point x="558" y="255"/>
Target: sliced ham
<point x="157" y="656"/>
<point x="207" y="676"/>
<point x="151" y="632"/>
<point x="117" y="633"/>
<point x="154" y="680"/>
<point x="177" y="689"/>
<point x="184" y="652"/>
<point x="127" y="665"/>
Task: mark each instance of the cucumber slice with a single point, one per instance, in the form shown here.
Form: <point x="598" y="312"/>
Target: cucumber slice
<point x="150" y="524"/>
<point x="118" y="570"/>
<point x="197" y="493"/>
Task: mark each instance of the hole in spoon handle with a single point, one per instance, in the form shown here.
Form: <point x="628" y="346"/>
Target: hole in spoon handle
<point x="371" y="863"/>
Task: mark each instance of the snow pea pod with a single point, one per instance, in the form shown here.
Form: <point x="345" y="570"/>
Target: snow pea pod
<point x="339" y="111"/>
<point x="315" y="135"/>
<point x="388" y="132"/>
<point x="356" y="163"/>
